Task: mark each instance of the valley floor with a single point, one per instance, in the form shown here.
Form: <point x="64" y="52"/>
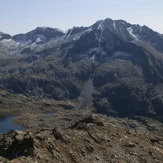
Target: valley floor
<point x="57" y="132"/>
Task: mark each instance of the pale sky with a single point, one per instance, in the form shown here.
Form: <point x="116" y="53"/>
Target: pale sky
<point x="21" y="16"/>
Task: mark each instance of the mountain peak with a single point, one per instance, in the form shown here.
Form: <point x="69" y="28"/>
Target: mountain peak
<point x="4" y="36"/>
<point x="122" y="29"/>
<point x="39" y="35"/>
<point x="44" y="29"/>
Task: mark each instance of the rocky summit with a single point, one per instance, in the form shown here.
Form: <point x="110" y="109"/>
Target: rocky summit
<point x="51" y="79"/>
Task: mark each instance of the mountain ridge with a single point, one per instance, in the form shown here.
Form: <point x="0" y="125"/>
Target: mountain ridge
<point x="45" y="35"/>
<point x="113" y="54"/>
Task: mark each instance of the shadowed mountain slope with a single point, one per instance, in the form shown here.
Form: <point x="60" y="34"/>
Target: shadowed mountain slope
<point x="113" y="67"/>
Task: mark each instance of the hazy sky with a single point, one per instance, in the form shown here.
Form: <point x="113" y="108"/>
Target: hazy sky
<point x="21" y="16"/>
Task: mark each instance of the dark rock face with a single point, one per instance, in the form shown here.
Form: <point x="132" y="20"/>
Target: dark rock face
<point x="43" y="87"/>
<point x="75" y="30"/>
<point x="126" y="31"/>
<point x="150" y="36"/>
<point x="4" y="36"/>
<point x="18" y="144"/>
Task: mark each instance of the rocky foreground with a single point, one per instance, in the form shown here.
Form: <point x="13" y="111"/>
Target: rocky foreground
<point x="92" y="139"/>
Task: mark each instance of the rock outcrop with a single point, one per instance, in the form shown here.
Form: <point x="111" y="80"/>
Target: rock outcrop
<point x="92" y="139"/>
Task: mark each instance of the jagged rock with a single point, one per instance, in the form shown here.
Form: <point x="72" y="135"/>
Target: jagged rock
<point x="91" y="119"/>
<point x="16" y="144"/>
<point x="58" y="135"/>
<point x="129" y="144"/>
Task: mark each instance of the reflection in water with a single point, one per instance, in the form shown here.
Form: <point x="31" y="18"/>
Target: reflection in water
<point x="6" y="124"/>
<point x="49" y="113"/>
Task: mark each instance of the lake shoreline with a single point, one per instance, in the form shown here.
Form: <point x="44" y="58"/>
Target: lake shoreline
<point x="7" y="124"/>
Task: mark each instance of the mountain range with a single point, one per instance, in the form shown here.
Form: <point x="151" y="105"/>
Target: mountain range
<point x="112" y="67"/>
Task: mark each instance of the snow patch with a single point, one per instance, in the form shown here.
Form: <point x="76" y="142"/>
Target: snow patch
<point x="93" y="57"/>
<point x="130" y="30"/>
<point x="122" y="22"/>
<point x="100" y="25"/>
<point x="40" y="38"/>
<point x="10" y="42"/>
<point x="69" y="32"/>
<point x="99" y="40"/>
<point x="76" y="36"/>
<point x="0" y="36"/>
<point x="10" y="46"/>
<point x="89" y="29"/>
<point x="114" y="25"/>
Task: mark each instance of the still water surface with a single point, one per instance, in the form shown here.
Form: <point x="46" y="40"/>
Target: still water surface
<point x="6" y="124"/>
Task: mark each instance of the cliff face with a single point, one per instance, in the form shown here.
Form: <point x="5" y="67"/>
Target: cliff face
<point x="90" y="139"/>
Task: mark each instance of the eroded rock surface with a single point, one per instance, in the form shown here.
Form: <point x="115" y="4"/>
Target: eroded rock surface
<point x="92" y="139"/>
